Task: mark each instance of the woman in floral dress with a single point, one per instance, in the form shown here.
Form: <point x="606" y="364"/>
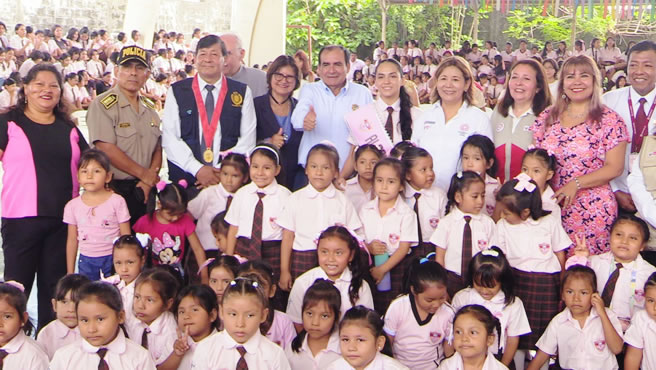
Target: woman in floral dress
<point x="588" y="140"/>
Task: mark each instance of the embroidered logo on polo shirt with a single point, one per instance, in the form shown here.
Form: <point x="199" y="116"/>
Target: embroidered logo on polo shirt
<point x="600" y="344"/>
<point x="236" y="99"/>
<point x="544" y="247"/>
<point x="434" y="221"/>
<point x="482" y="244"/>
<point x="272" y="222"/>
<point x="463" y="130"/>
<point x="500" y="127"/>
<point x="639" y="296"/>
<point x="435" y="337"/>
<point x="428" y="124"/>
<point x="393" y="238"/>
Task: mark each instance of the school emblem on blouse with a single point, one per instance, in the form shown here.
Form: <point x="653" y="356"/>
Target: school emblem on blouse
<point x="393" y="238"/>
<point x="639" y="296"/>
<point x="272" y="222"/>
<point x="500" y="127"/>
<point x="544" y="247"/>
<point x="464" y="127"/>
<point x="434" y="221"/>
<point x="237" y="99"/>
<point x="600" y="344"/>
<point x="482" y="244"/>
<point x="355" y="107"/>
<point x="435" y="337"/>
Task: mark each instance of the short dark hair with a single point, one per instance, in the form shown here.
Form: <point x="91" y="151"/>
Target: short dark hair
<point x="283" y="61"/>
<point x="644" y="45"/>
<point x="70" y="283"/>
<point x="347" y="54"/>
<point x="209" y="41"/>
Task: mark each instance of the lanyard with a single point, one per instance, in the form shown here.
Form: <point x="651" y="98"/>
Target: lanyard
<point x="633" y="117"/>
<point x="209" y="128"/>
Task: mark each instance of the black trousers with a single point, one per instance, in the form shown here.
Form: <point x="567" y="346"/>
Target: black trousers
<point x="134" y="197"/>
<point x="35" y="245"/>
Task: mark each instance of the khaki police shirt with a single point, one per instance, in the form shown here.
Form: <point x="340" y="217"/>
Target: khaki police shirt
<point x="112" y="119"/>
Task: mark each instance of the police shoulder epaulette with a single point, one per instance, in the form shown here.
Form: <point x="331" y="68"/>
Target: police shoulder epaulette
<point x="147" y="102"/>
<point x="109" y="100"/>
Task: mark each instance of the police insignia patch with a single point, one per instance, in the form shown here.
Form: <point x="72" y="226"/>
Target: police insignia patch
<point x="109" y="101"/>
<point x="237" y="99"/>
<point x="147" y="102"/>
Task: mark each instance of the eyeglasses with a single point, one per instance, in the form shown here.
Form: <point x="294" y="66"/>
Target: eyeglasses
<point x="279" y="77"/>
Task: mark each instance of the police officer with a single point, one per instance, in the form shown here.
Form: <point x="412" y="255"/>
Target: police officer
<point x="126" y="127"/>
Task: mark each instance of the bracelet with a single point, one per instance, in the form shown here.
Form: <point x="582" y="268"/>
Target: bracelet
<point x="578" y="184"/>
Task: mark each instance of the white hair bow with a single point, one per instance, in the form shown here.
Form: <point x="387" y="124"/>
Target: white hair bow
<point x="524" y="183"/>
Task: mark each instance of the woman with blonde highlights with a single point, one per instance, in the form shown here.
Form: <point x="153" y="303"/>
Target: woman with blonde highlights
<point x="588" y="140"/>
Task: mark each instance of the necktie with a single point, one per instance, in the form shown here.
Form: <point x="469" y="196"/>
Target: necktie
<point x="209" y="102"/>
<point x="389" y="125"/>
<point x="256" y="230"/>
<point x="466" y="247"/>
<point x="416" y="208"/>
<point x="3" y="354"/>
<point x="609" y="289"/>
<point x="241" y="364"/>
<point x="228" y="203"/>
<point x="102" y="365"/>
<point x="641" y="123"/>
<point x="144" y="338"/>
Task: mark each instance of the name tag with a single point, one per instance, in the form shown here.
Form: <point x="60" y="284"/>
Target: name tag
<point x="428" y="124"/>
<point x="124" y="125"/>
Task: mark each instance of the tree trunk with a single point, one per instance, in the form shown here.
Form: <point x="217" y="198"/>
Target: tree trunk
<point x="474" y="27"/>
<point x="384" y="7"/>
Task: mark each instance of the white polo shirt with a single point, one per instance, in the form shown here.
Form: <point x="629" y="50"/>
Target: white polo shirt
<point x="418" y="344"/>
<point x="641" y="335"/>
<point x="242" y="209"/>
<point x="580" y="349"/>
<point x="444" y="139"/>
<point x="343" y="283"/>
<point x="304" y="360"/>
<point x="432" y="204"/>
<point x="531" y="246"/>
<point x="514" y="322"/>
<point x="308" y="212"/>
<point x="56" y="335"/>
<point x="455" y="363"/>
<point x="448" y="235"/>
<point x="24" y="353"/>
<point x="207" y="204"/>
<point x="380" y="362"/>
<point x="398" y="225"/>
<point x="356" y="194"/>
<point x="550" y="204"/>
<point x="163" y="334"/>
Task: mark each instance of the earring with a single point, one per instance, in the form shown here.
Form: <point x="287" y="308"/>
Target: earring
<point x="564" y="97"/>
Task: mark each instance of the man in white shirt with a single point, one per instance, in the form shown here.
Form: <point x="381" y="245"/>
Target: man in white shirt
<point x="196" y="130"/>
<point x="234" y="68"/>
<point x="629" y="104"/>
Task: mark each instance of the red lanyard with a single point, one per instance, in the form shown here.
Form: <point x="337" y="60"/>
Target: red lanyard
<point x="633" y="117"/>
<point x="209" y="128"/>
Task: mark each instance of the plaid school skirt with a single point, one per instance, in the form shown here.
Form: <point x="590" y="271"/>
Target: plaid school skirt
<point x="382" y="300"/>
<point x="540" y="293"/>
<point x="302" y="261"/>
<point x="454" y="283"/>
<point x="423" y="249"/>
<point x="244" y="248"/>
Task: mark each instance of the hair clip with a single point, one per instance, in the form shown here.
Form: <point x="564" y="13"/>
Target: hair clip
<point x="183" y="183"/>
<point x="490" y="252"/>
<point x="427" y="258"/>
<point x="160" y="185"/>
<point x="524" y="183"/>
<point x="459" y="174"/>
<point x="143" y="239"/>
<point x="551" y="153"/>
<point x="531" y="147"/>
<point x="253" y="283"/>
<point x="16" y="284"/>
<point x="266" y="147"/>
<point x="205" y="264"/>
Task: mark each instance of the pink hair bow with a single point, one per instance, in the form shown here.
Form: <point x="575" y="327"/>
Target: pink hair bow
<point x="524" y="183"/>
<point x="16" y="284"/>
<point x="183" y="183"/>
<point x="531" y="147"/>
<point x="161" y="185"/>
<point x="205" y="264"/>
<point x="576" y="260"/>
<point x="551" y="153"/>
<point x="113" y="280"/>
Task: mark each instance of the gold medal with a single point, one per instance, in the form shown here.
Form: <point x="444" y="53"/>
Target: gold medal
<point x="208" y="156"/>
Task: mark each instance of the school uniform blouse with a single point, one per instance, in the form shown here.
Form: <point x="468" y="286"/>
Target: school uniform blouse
<point x="56" y="335"/>
<point x="628" y="296"/>
<point x="380" y="362"/>
<point x="343" y="283"/>
<point x="491" y="185"/>
<point x="531" y="245"/>
<point x="418" y="344"/>
<point x="305" y="360"/>
<point x="432" y="203"/>
<point x="356" y="194"/>
<point x="512" y="137"/>
<point x="161" y="337"/>
<point x="514" y="322"/>
<point x="549" y="203"/>
<point x="455" y="363"/>
<point x="243" y="205"/>
<point x="219" y="351"/>
<point x="641" y="335"/>
<point x="207" y="204"/>
<point x="122" y="353"/>
<point x="398" y="225"/>
<point x="282" y="330"/>
<point x="24" y="353"/>
<point x="449" y="232"/>
<point x="185" y="363"/>
<point x="444" y="139"/>
<point x="308" y="212"/>
<point x="580" y="348"/>
<point x="127" y="295"/>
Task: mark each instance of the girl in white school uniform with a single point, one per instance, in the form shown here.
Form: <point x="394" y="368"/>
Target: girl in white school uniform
<point x="63" y="330"/>
<point x="390" y="227"/>
<point x="586" y="335"/>
<point x="535" y="245"/>
<point x="444" y="128"/>
<point x="278" y="327"/>
<point x="218" y="198"/>
<point x="340" y="261"/>
<point x="362" y="338"/>
<point x="490" y="284"/>
<point x="309" y="211"/>
<point x="465" y="230"/>
<point x="317" y="345"/>
<point x="418" y="324"/>
<point x="196" y="310"/>
<point x="475" y="330"/>
<point x="19" y="350"/>
<point x="641" y="348"/>
<point x="540" y="165"/>
<point x="129" y="259"/>
<point x="254" y="233"/>
<point x="100" y="315"/>
<point x="359" y="189"/>
<point x="242" y="310"/>
<point x="477" y="154"/>
<point x="156" y="327"/>
<point x="427" y="201"/>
